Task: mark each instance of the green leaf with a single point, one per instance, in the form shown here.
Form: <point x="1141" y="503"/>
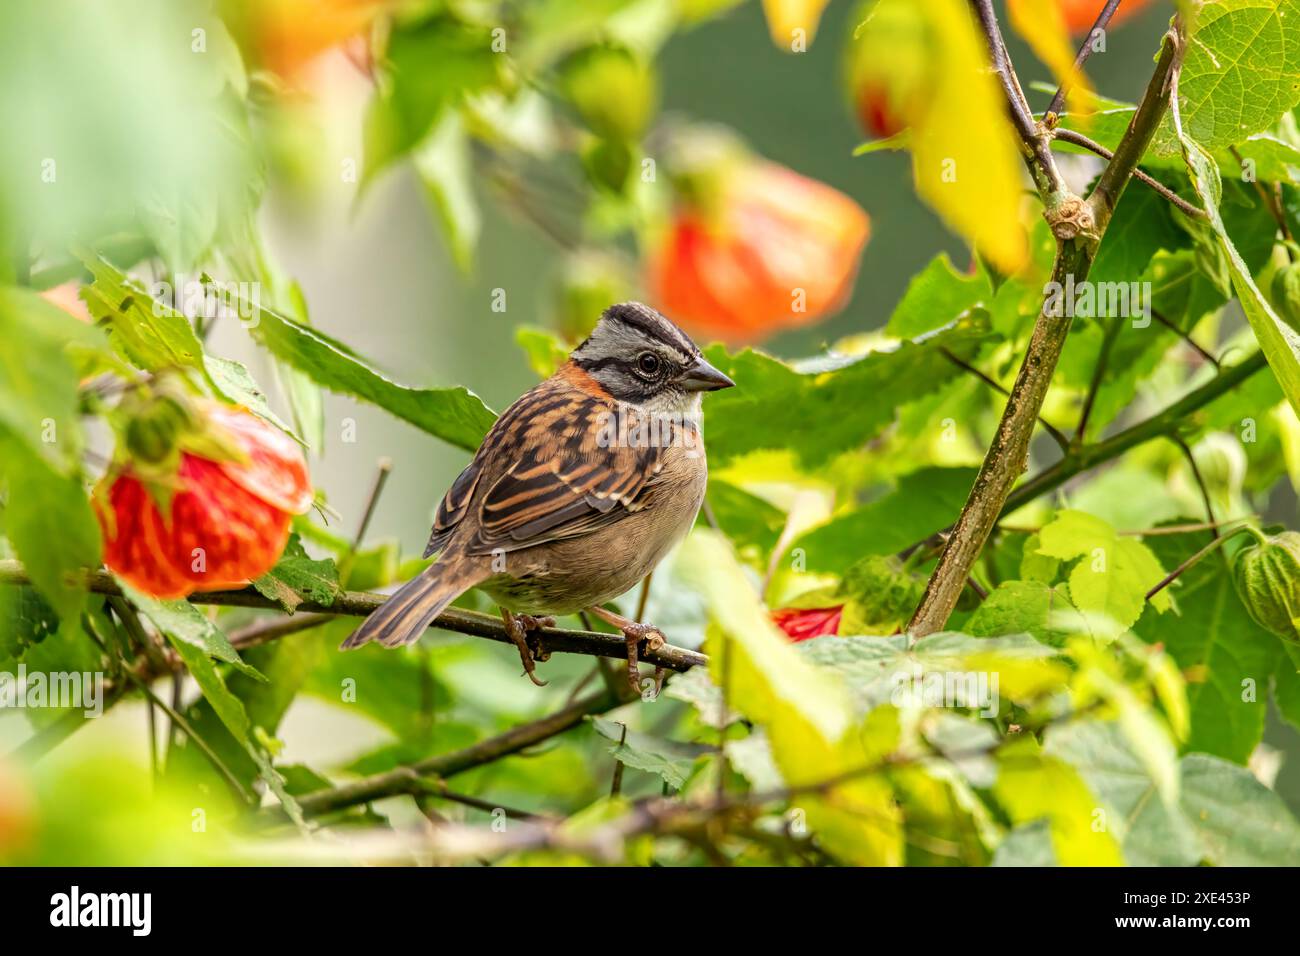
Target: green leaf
<point x="1241" y="71"/>
<point x="183" y="623"/>
<point x="1227" y="657"/>
<point x="1033" y="785"/>
<point x="1286" y="684"/>
<point x="804" y="710"/>
<point x="544" y="350"/>
<point x="445" y="166"/>
<point x="1142" y="225"/>
<point x="230" y="710"/>
<point x="1029" y="844"/>
<point x="924" y="502"/>
<point x="431" y="66"/>
<point x="665" y="758"/>
<point x="1281" y="343"/>
<point x="455" y="415"/>
<point x="937" y="295"/>
<point x="1240" y="821"/>
<point x="1152" y="831"/>
<point x="26" y="619"/>
<point x="51" y="525"/>
<point x="39" y="375"/>
<point x="297" y="577"/>
<point x="1024" y="607"/>
<point x="146" y="332"/>
<point x="874" y="668"/>
<point x="880" y="596"/>
<point x="1114" y="574"/>
<point x="234" y="382"/>
<point x="773" y="403"/>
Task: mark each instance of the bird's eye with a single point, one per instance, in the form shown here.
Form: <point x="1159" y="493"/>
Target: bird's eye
<point x="647" y="363"/>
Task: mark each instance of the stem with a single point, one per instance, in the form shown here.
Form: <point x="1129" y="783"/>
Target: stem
<point x="1078" y="226"/>
<point x="1078" y="139"/>
<point x="1098" y="373"/>
<point x="1058" y="436"/>
<point x="360" y="604"/>
<point x="1085" y="51"/>
<point x="1191" y="342"/>
<point x="1141" y="129"/>
<point x="406" y="779"/>
<point x="1214" y="545"/>
<point x="1087" y="457"/>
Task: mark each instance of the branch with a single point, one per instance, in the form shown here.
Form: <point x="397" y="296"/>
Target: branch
<point x="1058" y="436"/>
<point x="1078" y="139"/>
<point x="1034" y="137"/>
<point x="360" y="604"/>
<point x="409" y="778"/>
<point x="1077" y="226"/>
<point x="1080" y="58"/>
<point x="1141" y="129"/>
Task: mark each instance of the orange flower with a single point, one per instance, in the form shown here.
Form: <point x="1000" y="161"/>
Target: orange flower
<point x="224" y="519"/>
<point x="802" y="624"/>
<point x="1080" y="15"/>
<point x="774" y="250"/>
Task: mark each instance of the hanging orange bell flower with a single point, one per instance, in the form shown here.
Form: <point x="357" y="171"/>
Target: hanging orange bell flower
<point x="767" y="249"/>
<point x="802" y="624"/>
<point x="202" y="498"/>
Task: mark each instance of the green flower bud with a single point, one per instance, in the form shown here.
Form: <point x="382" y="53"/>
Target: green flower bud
<point x="1267" y="575"/>
<point x="613" y="90"/>
<point x="1286" y="294"/>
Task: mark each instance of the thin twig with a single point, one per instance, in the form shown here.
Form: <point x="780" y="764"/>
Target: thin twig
<point x="1087" y="457"/>
<point x="1173" y="575"/>
<point x="381" y="478"/>
<point x="177" y="720"/>
<point x="1186" y="337"/>
<point x="1078" y="139"/>
<point x="1057" y="435"/>
<point x="1270" y="202"/>
<point x="407" y="779"/>
<point x="1200" y="482"/>
<point x="1080" y="58"/>
<point x="1098" y="374"/>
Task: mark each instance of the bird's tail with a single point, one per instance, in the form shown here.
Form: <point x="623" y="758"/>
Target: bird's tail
<point x="404" y="616"/>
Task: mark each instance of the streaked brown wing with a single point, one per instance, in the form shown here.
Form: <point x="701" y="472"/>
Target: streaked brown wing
<point x="454" y="505"/>
<point x="567" y="480"/>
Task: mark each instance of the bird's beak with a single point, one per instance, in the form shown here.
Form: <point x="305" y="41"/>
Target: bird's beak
<point x="703" y="377"/>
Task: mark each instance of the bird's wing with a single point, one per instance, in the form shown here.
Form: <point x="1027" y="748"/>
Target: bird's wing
<point x="578" y="465"/>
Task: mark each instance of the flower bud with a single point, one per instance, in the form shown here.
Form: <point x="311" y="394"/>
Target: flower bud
<point x="613" y="90"/>
<point x="1286" y="294"/>
<point x="1267" y="576"/>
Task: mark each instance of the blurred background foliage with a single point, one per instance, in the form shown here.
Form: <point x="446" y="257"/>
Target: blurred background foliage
<point x="456" y="205"/>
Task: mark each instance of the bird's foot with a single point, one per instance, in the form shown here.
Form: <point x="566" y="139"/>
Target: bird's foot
<point x="524" y="630"/>
<point x="634" y="633"/>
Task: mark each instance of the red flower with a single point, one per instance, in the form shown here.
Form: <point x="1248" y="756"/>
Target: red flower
<point x="804" y="623"/>
<point x="227" y="517"/>
<point x="773" y="250"/>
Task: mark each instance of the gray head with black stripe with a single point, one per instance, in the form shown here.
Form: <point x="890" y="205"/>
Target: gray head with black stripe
<point x="642" y="358"/>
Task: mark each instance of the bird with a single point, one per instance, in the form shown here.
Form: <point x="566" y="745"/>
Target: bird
<point x="576" y="493"/>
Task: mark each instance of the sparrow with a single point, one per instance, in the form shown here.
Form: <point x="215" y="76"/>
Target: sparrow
<point x="578" y="491"/>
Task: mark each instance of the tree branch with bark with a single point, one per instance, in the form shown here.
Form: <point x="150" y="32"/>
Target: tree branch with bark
<point x="1078" y="224"/>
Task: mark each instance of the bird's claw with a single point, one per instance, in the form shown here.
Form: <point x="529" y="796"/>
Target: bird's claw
<point x="524" y="631"/>
<point x="634" y="634"/>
